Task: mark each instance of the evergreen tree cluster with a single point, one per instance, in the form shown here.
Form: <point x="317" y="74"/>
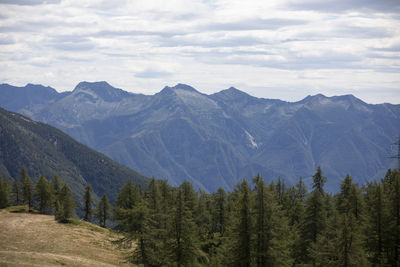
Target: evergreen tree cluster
<point x="257" y="224"/>
<point x="47" y="197"/>
<point x="260" y="224"/>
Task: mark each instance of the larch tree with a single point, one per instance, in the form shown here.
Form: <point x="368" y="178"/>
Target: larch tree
<point x="88" y="203"/>
<point x="375" y="221"/>
<point x="391" y="185"/>
<point x="27" y="188"/>
<point x="184" y="246"/>
<point x="239" y="236"/>
<point x="314" y="216"/>
<point x="65" y="205"/>
<point x="43" y="195"/>
<point x="5" y="193"/>
<point x="103" y="211"/>
<point x="343" y="238"/>
<point x="16" y="190"/>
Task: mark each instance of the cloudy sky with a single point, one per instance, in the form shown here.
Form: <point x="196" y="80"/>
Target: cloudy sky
<point x="285" y="49"/>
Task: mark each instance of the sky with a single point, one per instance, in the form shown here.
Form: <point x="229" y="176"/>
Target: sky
<point x="284" y="49"/>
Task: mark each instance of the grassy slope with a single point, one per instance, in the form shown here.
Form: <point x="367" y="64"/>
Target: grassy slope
<point x="37" y="240"/>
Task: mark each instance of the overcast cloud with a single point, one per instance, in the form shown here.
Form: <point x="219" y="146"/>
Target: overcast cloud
<point x="285" y="49"/>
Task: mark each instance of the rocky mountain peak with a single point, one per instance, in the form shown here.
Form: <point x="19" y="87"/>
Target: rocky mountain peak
<point x="167" y="90"/>
<point x="102" y="89"/>
<point x="232" y="94"/>
<point x="185" y="87"/>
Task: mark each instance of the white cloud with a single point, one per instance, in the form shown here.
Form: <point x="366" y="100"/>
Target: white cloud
<point x="279" y="49"/>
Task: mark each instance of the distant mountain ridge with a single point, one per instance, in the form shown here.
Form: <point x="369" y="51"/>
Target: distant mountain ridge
<point x="216" y="140"/>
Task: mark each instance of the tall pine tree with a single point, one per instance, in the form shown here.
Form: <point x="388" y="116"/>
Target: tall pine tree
<point x="238" y="242"/>
<point x="315" y="216"/>
<point x="103" y="211"/>
<point x="27" y="188"/>
<point x="88" y="203"/>
<point x="16" y="190"/>
<point x="5" y="193"/>
<point x="43" y="195"/>
<point x="184" y="246"/>
<point x="65" y="205"/>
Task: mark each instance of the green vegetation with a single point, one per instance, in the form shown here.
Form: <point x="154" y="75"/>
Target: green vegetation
<point x="44" y="197"/>
<point x="104" y="210"/>
<point x="88" y="203"/>
<point x="45" y="150"/>
<point x="263" y="224"/>
<point x="257" y="224"/>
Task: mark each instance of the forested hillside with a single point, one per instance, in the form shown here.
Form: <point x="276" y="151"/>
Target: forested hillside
<point x="257" y="224"/>
<point x="43" y="149"/>
<point x="260" y="224"/>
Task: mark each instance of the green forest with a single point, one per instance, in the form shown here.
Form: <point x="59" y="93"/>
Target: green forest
<point x="257" y="224"/>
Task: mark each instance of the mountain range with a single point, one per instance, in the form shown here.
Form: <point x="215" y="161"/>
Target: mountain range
<point x="41" y="148"/>
<point x="216" y="140"/>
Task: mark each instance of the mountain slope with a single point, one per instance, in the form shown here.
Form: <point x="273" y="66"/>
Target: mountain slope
<point x="44" y="149"/>
<point x="216" y="140"/>
<point x="38" y="240"/>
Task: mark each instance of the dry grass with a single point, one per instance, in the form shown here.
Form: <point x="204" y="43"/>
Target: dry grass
<point x="37" y="240"/>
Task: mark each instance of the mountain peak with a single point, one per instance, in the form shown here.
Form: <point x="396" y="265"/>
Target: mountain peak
<point x="234" y="90"/>
<point x="232" y="93"/>
<point x="93" y="85"/>
<point x="180" y="86"/>
<point x="102" y="89"/>
<point x="342" y="98"/>
<point x="185" y="87"/>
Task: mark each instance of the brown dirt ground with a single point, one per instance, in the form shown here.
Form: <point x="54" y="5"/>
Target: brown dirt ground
<point x="37" y="240"/>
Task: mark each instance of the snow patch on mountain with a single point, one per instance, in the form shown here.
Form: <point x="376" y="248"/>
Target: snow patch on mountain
<point x="251" y="140"/>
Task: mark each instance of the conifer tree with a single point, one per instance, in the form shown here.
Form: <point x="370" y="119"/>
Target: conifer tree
<point x="153" y="234"/>
<point x="43" y="195"/>
<point x="263" y="223"/>
<point x="65" y="205"/>
<point x="27" y="188"/>
<point x="128" y="197"/>
<point x="59" y="212"/>
<point x="219" y="215"/>
<point x="350" y="198"/>
<point x="341" y="243"/>
<point x="165" y="218"/>
<point x="203" y="219"/>
<point x="88" y="202"/>
<point x="137" y="214"/>
<point x="281" y="191"/>
<point x="315" y="216"/>
<point x="139" y="230"/>
<point x="376" y="218"/>
<point x="184" y="244"/>
<point x="295" y="212"/>
<point x="16" y="190"/>
<point x="5" y="193"/>
<point x="56" y="186"/>
<point x="391" y="184"/>
<point x="272" y="241"/>
<point x="189" y="195"/>
<point x="301" y="190"/>
<point x="103" y="211"/>
<point x="239" y="237"/>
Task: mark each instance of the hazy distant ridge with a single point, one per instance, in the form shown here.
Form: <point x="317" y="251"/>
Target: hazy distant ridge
<point x="216" y="140"/>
